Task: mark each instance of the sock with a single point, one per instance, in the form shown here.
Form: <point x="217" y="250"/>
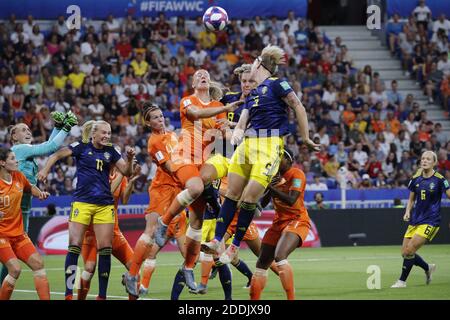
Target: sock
<point x="225" y="280"/>
<point x="178" y="285"/>
<point x="7" y="287"/>
<point x="104" y="269"/>
<point x="287" y="278"/>
<point x="274" y="268"/>
<point x="41" y="284"/>
<point x="258" y="283"/>
<point x="207" y="264"/>
<point x="140" y="252"/>
<point x="3" y="274"/>
<point x="244" y="269"/>
<point x="149" y="268"/>
<point x="225" y="217"/>
<point x="193" y="238"/>
<point x="246" y="213"/>
<point x="85" y="284"/>
<point x="181" y="201"/>
<point x="70" y="266"/>
<point x="210" y="196"/>
<point x="418" y="261"/>
<point x="408" y="263"/>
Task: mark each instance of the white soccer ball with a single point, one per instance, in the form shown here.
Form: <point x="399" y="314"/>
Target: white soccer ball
<point x="215" y="18"/>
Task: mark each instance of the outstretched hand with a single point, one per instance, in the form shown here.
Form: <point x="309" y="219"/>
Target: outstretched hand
<point x="312" y="145"/>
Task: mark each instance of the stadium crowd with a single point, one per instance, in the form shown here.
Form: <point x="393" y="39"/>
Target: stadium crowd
<point x="371" y="135"/>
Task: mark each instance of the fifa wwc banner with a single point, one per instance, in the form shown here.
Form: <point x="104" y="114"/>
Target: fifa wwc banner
<point x="100" y="9"/>
<point x="405" y="7"/>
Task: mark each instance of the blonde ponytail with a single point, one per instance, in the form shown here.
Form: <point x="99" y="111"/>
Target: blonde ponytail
<point x="242" y="69"/>
<point x="89" y="128"/>
<point x="215" y="90"/>
<point x="271" y="57"/>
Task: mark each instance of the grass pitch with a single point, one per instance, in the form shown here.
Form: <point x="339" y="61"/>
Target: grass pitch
<point x="320" y="273"/>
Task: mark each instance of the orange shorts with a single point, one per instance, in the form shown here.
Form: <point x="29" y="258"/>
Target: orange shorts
<point x="177" y="226"/>
<point x="161" y="198"/>
<point x="297" y="226"/>
<point x="251" y="234"/>
<point x="186" y="172"/>
<point x="120" y="248"/>
<point x="19" y="247"/>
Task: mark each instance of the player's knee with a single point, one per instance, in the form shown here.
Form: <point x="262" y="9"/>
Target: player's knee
<point x="280" y="256"/>
<point x="89" y="267"/>
<point x="196" y="190"/>
<point x="408" y="251"/>
<point x="36" y="262"/>
<point x="15" y="270"/>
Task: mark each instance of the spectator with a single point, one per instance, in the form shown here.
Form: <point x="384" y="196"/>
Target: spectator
<point x="319" y="203"/>
<point x="317" y="185"/>
<point x="422" y="14"/>
<point x="198" y="55"/>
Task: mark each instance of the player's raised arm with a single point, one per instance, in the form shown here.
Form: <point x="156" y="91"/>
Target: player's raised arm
<point x="239" y="130"/>
<point x="126" y="167"/>
<point x="195" y="113"/>
<point x="294" y="102"/>
<point x="60" y="154"/>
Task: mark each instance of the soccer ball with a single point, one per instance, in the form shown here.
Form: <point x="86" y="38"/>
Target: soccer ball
<point x="215" y="18"/>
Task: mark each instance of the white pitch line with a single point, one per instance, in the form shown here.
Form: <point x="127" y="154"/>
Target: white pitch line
<point x="89" y="295"/>
<point x="295" y="260"/>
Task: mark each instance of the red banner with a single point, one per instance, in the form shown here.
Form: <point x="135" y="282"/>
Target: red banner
<point x="54" y="235"/>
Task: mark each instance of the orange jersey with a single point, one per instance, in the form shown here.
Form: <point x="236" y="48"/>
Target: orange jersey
<point x="161" y="147"/>
<point x="117" y="196"/>
<point x="11" y="225"/>
<point x="295" y="180"/>
<point x="194" y="139"/>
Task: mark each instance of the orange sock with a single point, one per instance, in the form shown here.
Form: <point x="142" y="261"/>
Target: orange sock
<point x="41" y="284"/>
<point x="85" y="284"/>
<point x="192" y="244"/>
<point x="140" y="252"/>
<point x="258" y="283"/>
<point x="7" y="288"/>
<point x="287" y="278"/>
<point x="149" y="268"/>
<point x="207" y="264"/>
<point x="274" y="268"/>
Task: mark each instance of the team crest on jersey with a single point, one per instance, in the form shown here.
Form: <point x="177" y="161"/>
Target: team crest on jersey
<point x="90" y="153"/>
<point x="18" y="187"/>
<point x="432" y="185"/>
<point x="107" y="155"/>
<point x="264" y="90"/>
